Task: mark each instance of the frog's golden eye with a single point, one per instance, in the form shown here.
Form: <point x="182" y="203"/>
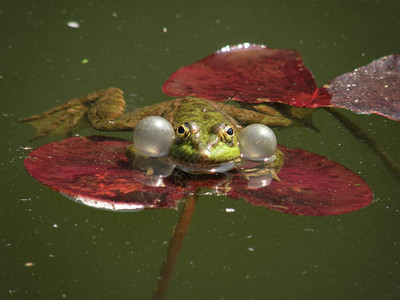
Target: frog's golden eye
<point x="183" y="131"/>
<point x="226" y="133"/>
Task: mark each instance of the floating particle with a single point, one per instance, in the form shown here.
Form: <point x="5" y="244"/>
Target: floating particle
<point x="29" y="264"/>
<point x="73" y="24"/>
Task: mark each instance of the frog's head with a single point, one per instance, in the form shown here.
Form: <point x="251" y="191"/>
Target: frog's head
<point x="205" y="148"/>
<point x="211" y="147"/>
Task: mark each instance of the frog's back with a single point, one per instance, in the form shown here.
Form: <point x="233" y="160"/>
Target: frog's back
<point x="200" y="111"/>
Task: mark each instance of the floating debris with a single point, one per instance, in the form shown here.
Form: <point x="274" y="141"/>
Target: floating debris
<point x="73" y="24"/>
<point x="29" y="264"/>
<point x="26" y="148"/>
<point x="25" y="199"/>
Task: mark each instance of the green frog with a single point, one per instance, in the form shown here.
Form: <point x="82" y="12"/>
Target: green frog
<point x="205" y="136"/>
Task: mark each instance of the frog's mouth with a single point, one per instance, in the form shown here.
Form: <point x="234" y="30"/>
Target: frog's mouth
<point x="201" y="168"/>
<point x="204" y="169"/>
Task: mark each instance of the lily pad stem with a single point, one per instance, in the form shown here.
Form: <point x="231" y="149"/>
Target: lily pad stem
<point x="175" y="245"/>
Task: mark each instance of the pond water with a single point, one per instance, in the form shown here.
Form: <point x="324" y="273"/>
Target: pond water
<point x="51" y="247"/>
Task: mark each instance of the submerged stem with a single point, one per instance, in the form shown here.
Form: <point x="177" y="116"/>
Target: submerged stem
<point x="362" y="136"/>
<point x="175" y="246"/>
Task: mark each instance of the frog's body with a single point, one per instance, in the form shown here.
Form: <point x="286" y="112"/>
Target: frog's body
<point x="206" y="132"/>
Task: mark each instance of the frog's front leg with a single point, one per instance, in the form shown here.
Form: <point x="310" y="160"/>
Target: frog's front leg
<point x="262" y="173"/>
<point x="101" y="108"/>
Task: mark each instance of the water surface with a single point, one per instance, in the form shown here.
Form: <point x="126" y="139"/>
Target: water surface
<point x="51" y="247"/>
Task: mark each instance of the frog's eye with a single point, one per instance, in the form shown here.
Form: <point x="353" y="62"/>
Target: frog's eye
<point x="153" y="136"/>
<point x="257" y="142"/>
<point x="183" y="131"/>
<point x="225" y="133"/>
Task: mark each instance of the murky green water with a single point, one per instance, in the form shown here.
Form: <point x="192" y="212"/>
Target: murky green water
<point x="252" y="253"/>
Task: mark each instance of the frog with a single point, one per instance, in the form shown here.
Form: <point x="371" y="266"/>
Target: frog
<point x="205" y="133"/>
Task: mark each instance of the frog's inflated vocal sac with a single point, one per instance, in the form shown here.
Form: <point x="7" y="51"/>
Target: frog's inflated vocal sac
<point x="205" y="134"/>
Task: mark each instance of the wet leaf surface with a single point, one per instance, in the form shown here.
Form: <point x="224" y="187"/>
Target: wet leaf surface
<point x="246" y="74"/>
<point x="94" y="171"/>
<point x="374" y="88"/>
<point x="254" y="73"/>
<point x="311" y="185"/>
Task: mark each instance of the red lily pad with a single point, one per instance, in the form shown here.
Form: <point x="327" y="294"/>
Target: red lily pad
<point x="246" y="72"/>
<point x="254" y="73"/>
<point x="95" y="172"/>
<point x="311" y="185"/>
<point x="374" y="88"/>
